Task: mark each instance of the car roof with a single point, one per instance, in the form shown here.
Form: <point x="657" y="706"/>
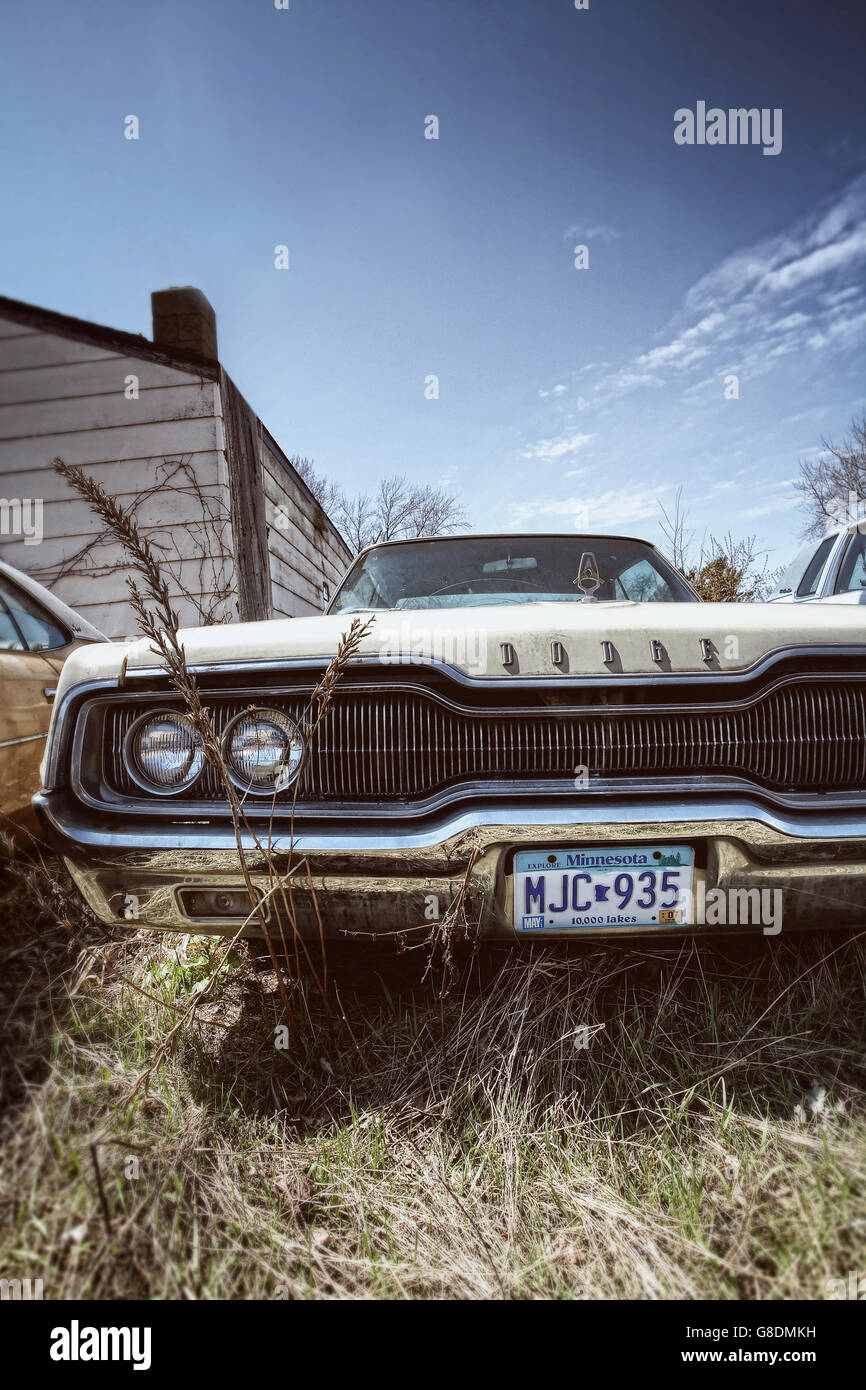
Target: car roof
<point x="77" y="625"/>
<point x="512" y="536"/>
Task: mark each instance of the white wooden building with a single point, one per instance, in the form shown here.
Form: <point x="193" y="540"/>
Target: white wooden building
<point x="164" y="429"/>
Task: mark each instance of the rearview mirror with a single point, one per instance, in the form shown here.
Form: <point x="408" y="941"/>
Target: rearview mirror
<point x="499" y="566"/>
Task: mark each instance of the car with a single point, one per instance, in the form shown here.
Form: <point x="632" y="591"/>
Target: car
<point x="37" y="633"/>
<point x="827" y="569"/>
<point x="551" y="734"/>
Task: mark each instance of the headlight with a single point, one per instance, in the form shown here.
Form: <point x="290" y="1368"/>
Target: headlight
<point x="263" y="749"/>
<point x="163" y="752"/>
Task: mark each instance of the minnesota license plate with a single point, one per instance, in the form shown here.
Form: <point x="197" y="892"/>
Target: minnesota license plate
<point x="633" y="886"/>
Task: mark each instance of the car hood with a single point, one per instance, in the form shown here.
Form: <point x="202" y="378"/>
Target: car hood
<point x="471" y="639"/>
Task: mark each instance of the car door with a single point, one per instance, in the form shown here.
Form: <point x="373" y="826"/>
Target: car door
<point x="805" y="575"/>
<point x="33" y="646"/>
<point x="850" y="586"/>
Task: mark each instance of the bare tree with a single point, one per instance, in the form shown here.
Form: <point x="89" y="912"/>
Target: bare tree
<point x="673" y="528"/>
<point x="724" y="570"/>
<point x="435" y="512"/>
<point x="730" y="571"/>
<point x="398" y="510"/>
<point x="833" y="486"/>
<point x="395" y="501"/>
<point x="328" y="495"/>
<point x="355" y="520"/>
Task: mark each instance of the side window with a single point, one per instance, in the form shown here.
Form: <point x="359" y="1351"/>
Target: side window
<point x="10" y="637"/>
<point x="852" y="575"/>
<point x="643" y="583"/>
<point x="363" y="592"/>
<point x="39" y="630"/>
<point x="809" y="583"/>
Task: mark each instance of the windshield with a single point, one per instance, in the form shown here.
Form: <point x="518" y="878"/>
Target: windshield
<point x="467" y="571"/>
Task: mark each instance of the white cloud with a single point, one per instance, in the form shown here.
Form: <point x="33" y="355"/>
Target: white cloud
<point x="817" y="245"/>
<point x="697" y="387"/>
<point x="684" y="349"/>
<point x="549" y="450"/>
<point x="847" y="327"/>
<point x="617" y="385"/>
<point x="839" y="296"/>
<point x="596" y="231"/>
<point x="796" y="293"/>
<point x="791" y="321"/>
<point x="602" y="511"/>
<point x="781" y="501"/>
<point x="734" y="305"/>
<point x="836" y="256"/>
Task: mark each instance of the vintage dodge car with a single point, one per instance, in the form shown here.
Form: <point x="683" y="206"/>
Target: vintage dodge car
<point x="553" y="727"/>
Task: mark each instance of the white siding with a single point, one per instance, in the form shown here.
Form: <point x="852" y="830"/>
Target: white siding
<point x="303" y="549"/>
<point x="161" y="454"/>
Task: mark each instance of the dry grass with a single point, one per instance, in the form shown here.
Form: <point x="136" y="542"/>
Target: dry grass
<point x="604" y="1122"/>
<point x="598" y="1121"/>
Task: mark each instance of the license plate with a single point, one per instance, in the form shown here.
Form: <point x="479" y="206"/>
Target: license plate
<point x="634" y="886"/>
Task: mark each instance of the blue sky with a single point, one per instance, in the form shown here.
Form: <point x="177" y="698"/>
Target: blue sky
<point x="568" y="398"/>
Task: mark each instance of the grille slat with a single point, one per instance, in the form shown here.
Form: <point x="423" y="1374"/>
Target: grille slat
<point x="406" y="744"/>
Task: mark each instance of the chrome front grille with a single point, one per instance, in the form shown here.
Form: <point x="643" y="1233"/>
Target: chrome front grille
<point x="405" y="744"/>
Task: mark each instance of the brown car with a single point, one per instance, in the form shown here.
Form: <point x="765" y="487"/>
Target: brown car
<point x="37" y="633"/>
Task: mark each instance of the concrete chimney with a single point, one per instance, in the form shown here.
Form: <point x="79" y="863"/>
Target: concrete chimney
<point x="184" y="319"/>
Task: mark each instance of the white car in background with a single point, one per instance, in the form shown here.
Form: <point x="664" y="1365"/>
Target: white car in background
<point x="828" y="569"/>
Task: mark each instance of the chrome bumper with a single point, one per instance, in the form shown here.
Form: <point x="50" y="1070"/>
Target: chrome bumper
<point x="384" y="883"/>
